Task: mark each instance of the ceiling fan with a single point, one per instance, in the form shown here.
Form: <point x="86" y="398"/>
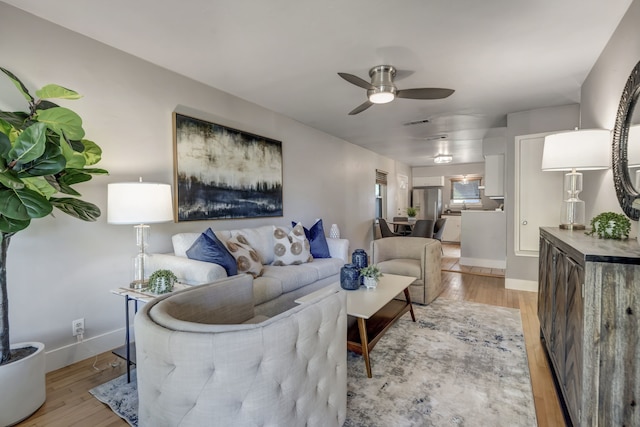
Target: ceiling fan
<point x="382" y="90"/>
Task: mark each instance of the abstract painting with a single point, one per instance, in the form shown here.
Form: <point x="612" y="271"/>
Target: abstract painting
<point x="223" y="173"/>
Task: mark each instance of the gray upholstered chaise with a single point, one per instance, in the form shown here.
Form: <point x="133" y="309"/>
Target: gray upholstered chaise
<point x="204" y="359"/>
<point x="411" y="256"/>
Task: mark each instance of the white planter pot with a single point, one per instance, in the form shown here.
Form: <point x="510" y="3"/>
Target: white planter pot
<point x="370" y="282"/>
<point x="22" y="385"/>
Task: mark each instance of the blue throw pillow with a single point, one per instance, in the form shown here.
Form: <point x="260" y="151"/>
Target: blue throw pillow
<point x="209" y="248"/>
<point x="317" y="240"/>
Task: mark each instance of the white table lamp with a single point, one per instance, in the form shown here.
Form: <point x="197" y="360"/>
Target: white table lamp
<point x="584" y="149"/>
<point x="139" y="203"/>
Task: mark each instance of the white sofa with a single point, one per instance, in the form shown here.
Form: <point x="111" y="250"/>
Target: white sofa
<point x="277" y="287"/>
<point x="206" y="359"/>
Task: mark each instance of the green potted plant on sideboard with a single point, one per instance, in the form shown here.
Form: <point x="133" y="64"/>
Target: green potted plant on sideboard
<point x="42" y="153"/>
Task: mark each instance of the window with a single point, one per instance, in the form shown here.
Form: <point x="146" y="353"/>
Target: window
<point x="381" y="194"/>
<point x="465" y="190"/>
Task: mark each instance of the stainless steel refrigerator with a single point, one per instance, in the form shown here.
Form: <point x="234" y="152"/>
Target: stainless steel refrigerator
<point x="428" y="201"/>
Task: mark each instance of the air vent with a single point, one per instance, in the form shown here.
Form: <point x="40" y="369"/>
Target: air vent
<point x="436" y="137"/>
<point x="417" y="122"/>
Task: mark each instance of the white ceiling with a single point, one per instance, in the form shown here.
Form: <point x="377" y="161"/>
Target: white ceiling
<point x="500" y="56"/>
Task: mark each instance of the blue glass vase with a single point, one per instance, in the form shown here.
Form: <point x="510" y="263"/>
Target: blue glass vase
<point x="349" y="277"/>
<point x="359" y="259"/>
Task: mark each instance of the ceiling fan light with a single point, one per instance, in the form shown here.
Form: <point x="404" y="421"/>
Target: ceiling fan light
<point x="443" y="158"/>
<point x="381" y="97"/>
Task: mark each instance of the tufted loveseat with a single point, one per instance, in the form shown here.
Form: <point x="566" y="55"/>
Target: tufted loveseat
<point x="277" y="287"/>
<point x="205" y="358"/>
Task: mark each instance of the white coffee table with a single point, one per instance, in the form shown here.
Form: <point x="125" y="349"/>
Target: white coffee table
<point x="375" y="309"/>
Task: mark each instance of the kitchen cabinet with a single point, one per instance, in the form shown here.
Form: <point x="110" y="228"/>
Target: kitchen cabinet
<point x="452" y="228"/>
<point x="483" y="239"/>
<point x="428" y="181"/>
<point x="588" y="311"/>
<point x="494" y="176"/>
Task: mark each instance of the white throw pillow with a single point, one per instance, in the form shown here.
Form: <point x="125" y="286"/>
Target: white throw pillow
<point x="292" y="248"/>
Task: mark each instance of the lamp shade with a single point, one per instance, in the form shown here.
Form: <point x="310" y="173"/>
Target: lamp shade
<point x="139" y="203"/>
<point x="583" y="149"/>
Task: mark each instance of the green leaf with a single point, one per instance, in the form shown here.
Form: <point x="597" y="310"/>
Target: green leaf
<point x="55" y="91"/>
<point x="30" y="144"/>
<point x="40" y="185"/>
<point x="23" y="204"/>
<point x="16" y="81"/>
<point x="95" y="171"/>
<point x="74" y="159"/>
<point x="77" y="208"/>
<point x="5" y="144"/>
<point x="10" y="225"/>
<point x="45" y="105"/>
<point x="16" y="119"/>
<point x="50" y="163"/>
<point x="92" y="153"/>
<point x="71" y="177"/>
<point x="62" y="121"/>
<point x="10" y="179"/>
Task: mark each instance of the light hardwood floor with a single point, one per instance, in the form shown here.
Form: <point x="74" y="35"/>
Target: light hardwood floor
<point x="69" y="403"/>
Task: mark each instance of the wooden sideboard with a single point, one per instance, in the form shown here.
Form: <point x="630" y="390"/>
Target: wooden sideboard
<point x="589" y="311"/>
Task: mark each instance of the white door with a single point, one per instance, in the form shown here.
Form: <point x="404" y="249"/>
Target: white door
<point x="538" y="197"/>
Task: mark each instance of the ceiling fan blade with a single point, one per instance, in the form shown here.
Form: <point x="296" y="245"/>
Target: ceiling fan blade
<point x="360" y="108"/>
<point x="424" y="93"/>
<point x="356" y="80"/>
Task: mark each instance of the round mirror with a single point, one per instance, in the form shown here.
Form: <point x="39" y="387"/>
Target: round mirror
<point x="626" y="149"/>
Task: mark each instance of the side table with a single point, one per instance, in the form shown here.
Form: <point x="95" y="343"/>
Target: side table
<point x="128" y="351"/>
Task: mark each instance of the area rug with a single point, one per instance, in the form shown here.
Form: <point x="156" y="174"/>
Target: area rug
<point x="460" y="364"/>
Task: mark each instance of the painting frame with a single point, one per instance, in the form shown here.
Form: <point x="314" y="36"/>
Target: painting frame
<point x="224" y="173"/>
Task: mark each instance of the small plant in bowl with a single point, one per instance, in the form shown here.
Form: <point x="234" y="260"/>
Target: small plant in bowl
<point x="162" y="281"/>
<point x="371" y="275"/>
<point x="610" y="225"/>
<point x="412" y="212"/>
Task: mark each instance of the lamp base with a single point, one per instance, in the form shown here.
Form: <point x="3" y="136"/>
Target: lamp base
<point x="572" y="227"/>
<point x="139" y="284"/>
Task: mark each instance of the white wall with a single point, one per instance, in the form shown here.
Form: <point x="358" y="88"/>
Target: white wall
<point x="60" y="269"/>
<point x="600" y="96"/>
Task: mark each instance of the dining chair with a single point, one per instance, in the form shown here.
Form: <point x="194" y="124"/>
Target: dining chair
<point x="385" y="231"/>
<point x="438" y="229"/>
<point x="422" y="228"/>
<point x="401" y="229"/>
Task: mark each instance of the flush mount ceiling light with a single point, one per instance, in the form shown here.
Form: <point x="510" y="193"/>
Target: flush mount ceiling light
<point x="443" y="158"/>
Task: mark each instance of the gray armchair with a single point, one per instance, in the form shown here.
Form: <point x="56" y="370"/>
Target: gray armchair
<point x="205" y="359"/>
<point x="411" y="256"/>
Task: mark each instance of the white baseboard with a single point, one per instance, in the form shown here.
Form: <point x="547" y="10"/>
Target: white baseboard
<point x="72" y="353"/>
<point x="521" y="285"/>
<point x="487" y="263"/>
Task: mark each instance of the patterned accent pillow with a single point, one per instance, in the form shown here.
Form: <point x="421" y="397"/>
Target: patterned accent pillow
<point x="292" y="248"/>
<point x="317" y="239"/>
<point x="246" y="257"/>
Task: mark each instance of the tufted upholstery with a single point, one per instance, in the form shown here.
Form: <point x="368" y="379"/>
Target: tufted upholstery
<point x="204" y="361"/>
<point x="411" y="256"/>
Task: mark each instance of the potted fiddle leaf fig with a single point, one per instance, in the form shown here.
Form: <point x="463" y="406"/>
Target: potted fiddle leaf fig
<point x="43" y="153"/>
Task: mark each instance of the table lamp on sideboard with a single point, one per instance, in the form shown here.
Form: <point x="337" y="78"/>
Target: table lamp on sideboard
<point x="139" y="203"/>
<point x="573" y="151"/>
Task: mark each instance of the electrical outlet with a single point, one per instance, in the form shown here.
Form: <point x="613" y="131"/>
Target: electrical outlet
<point x="77" y="327"/>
